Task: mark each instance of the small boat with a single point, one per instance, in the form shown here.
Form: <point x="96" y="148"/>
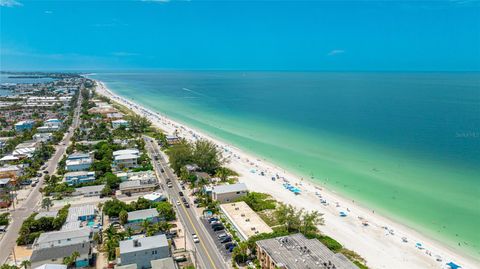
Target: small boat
<point x="404" y="239"/>
<point x="343" y="214"/>
<point x="419" y="246"/>
<point x="365" y="223"/>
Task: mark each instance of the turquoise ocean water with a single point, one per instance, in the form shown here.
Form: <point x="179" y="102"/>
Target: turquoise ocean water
<point x="404" y="144"/>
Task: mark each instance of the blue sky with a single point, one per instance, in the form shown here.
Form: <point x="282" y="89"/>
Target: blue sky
<point x="362" y="35"/>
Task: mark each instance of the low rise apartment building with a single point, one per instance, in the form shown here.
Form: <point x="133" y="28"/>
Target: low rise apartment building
<point x="142" y="251"/>
<point x="228" y="193"/>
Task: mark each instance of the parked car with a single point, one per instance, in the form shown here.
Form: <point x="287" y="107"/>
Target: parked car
<point x="180" y="193"/>
<point x="230" y="245"/>
<point x="212" y="219"/>
<point x="33" y="184"/>
<point x="187" y="205"/>
<point x="45" y="172"/>
<point x="226" y="239"/>
<point x="161" y="170"/>
<point x="222" y="235"/>
<point x="180" y="258"/>
<point x="218" y="228"/>
<point x="26" y="182"/>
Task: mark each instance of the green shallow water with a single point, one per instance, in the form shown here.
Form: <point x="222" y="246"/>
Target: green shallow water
<point x="409" y="154"/>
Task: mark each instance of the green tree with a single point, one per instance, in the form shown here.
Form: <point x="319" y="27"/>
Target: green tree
<point x="310" y="221"/>
<point x="165" y="209"/>
<point x="224" y="173"/>
<point x="180" y="155"/>
<point x="46" y="203"/>
<point x="207" y="156"/>
<point x="25" y="264"/>
<point x="123" y="216"/>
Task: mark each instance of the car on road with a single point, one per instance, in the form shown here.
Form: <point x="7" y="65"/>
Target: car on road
<point x="178" y="203"/>
<point x="183" y="187"/>
<point x="180" y="193"/>
<point x="169" y="184"/>
<point x="161" y="170"/>
<point x="184" y="200"/>
<point x="195" y="238"/>
<point x="186" y="205"/>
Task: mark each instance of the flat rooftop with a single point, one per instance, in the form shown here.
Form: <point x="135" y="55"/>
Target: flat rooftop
<point x="298" y="252"/>
<point x="245" y="220"/>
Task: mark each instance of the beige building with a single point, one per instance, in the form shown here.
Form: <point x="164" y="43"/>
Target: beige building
<point x="229" y="193"/>
<point x="244" y="220"/>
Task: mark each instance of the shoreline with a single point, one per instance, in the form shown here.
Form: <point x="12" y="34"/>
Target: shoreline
<point x="381" y="248"/>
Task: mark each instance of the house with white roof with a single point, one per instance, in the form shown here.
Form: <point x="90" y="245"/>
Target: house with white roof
<point x="229" y="193"/>
<point x="77" y="177"/>
<point x="119" y="123"/>
<point x="126" y="158"/>
<point x="78" y="162"/>
<point x="142" y="251"/>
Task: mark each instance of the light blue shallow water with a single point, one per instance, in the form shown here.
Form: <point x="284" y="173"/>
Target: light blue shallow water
<point x="405" y="144"/>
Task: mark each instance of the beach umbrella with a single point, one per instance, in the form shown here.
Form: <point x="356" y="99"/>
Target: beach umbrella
<point x="453" y="265"/>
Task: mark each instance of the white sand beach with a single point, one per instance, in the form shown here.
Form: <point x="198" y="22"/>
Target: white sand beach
<point x="383" y="243"/>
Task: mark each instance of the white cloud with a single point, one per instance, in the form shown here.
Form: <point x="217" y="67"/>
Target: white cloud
<point x="335" y="52"/>
<point x="9" y="3"/>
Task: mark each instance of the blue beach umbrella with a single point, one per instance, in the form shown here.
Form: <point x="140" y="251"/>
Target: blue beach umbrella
<point x="453" y="265"/>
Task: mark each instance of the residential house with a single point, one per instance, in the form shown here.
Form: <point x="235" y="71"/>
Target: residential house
<point x="142" y="251"/>
<point x="77" y="177"/>
<point x="90" y="191"/>
<point x="42" y="137"/>
<point x="229" y="192"/>
<point x="119" y="123"/>
<point x="25" y="125"/>
<point x="55" y="255"/>
<point x="126" y="158"/>
<point x="63" y="238"/>
<point x="78" y="162"/>
<point x="135" y="218"/>
<point x="81" y="213"/>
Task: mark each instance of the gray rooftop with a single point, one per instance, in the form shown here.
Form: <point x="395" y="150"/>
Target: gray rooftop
<point x="44" y="254"/>
<point x="77" y="211"/>
<point x="145" y="243"/>
<point x="64" y="234"/>
<point x="165" y="263"/>
<point x="80" y="173"/>
<point x="297" y="252"/>
<point x="47" y="214"/>
<point x="52" y="266"/>
<point x="87" y="189"/>
<point x="230" y="188"/>
<point x="142" y="214"/>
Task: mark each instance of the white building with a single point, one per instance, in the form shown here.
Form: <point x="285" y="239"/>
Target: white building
<point x="119" y="123"/>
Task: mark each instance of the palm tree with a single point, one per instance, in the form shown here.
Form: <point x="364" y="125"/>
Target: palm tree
<point x="129" y="232"/>
<point x="25" y="264"/>
<point x="74" y="257"/>
<point x="145" y="225"/>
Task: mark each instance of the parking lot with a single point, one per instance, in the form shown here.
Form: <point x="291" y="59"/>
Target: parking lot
<point x="214" y="234"/>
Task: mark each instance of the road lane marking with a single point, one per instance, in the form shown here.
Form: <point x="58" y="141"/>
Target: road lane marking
<point x="189" y="219"/>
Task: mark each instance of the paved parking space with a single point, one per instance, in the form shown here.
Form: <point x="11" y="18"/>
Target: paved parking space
<point x="221" y="247"/>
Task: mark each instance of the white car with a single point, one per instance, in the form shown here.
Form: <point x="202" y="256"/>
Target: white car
<point x="195" y="238"/>
<point x="178" y="203"/>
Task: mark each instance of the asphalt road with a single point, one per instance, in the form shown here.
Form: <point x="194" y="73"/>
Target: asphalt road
<point x="206" y="251"/>
<point x="25" y="209"/>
